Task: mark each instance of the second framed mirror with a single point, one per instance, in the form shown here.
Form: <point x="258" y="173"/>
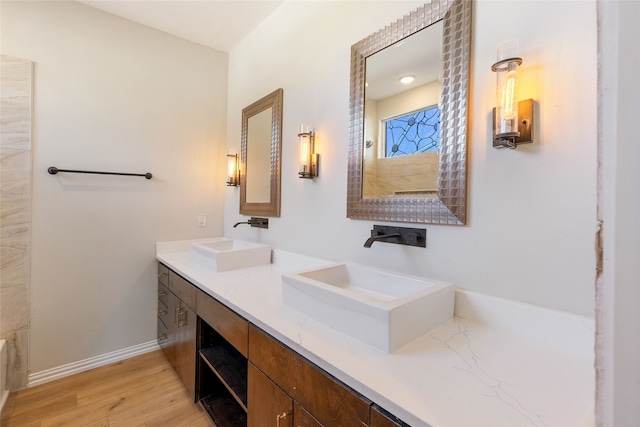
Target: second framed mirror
<point x="261" y="156"/>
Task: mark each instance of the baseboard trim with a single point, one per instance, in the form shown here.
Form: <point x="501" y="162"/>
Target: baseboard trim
<point x="91" y="363"/>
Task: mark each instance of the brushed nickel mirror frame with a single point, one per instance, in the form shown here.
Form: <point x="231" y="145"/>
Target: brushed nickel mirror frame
<point x="451" y="204"/>
<point x="271" y="208"/>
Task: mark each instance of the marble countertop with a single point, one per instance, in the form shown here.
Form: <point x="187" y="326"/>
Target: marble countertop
<point x="497" y="363"/>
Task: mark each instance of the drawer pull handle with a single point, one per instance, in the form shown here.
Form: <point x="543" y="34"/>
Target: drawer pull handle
<point x="162" y="294"/>
<point x="162" y="337"/>
<point x="180" y="317"/>
<point x="280" y="417"/>
<point x="162" y="312"/>
<point x="161" y="275"/>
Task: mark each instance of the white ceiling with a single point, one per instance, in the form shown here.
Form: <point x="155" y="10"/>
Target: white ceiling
<point x="219" y="24"/>
<point x="222" y="24"/>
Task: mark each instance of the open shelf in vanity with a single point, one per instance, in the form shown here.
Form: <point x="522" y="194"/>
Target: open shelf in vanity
<point x="221" y="365"/>
<point x="221" y="378"/>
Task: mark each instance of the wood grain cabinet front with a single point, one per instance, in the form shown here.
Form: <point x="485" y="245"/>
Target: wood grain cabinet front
<point x="382" y="418"/>
<point x="185" y="363"/>
<point x="177" y="323"/>
<point x="328" y="401"/>
<point x="163" y="274"/>
<point x="232" y="327"/>
<point x="268" y="404"/>
<point x="302" y="418"/>
<point x="184" y="290"/>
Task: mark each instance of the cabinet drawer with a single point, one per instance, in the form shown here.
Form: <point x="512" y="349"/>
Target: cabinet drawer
<point x="279" y="363"/>
<point x="163" y="313"/>
<point x="163" y="333"/>
<point x="163" y="274"/>
<point x="227" y="323"/>
<point x="327" y="400"/>
<point x="163" y="294"/>
<point x="302" y="418"/>
<point x="382" y="418"/>
<point x="184" y="290"/>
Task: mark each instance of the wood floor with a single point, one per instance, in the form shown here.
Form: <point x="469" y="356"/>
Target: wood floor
<point x="143" y="391"/>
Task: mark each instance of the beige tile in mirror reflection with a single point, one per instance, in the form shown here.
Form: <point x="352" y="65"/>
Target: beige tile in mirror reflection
<point x="410" y="173"/>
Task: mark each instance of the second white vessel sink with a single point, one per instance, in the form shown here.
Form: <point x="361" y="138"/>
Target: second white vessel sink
<point x="384" y="309"/>
<point x="223" y="254"/>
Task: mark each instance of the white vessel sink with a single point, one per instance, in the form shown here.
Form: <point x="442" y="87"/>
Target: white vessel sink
<point x="223" y="254"/>
<point x="381" y="308"/>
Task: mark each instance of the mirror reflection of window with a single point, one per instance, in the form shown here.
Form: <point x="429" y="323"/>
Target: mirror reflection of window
<point x="416" y="132"/>
<point x="403" y="91"/>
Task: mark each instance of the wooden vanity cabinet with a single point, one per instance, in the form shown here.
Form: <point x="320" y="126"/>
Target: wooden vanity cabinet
<point x="241" y="375"/>
<point x="315" y="392"/>
<point x="177" y="325"/>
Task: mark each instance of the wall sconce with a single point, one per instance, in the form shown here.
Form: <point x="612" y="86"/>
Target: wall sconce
<point x="233" y="171"/>
<point x="308" y="160"/>
<point x="512" y="119"/>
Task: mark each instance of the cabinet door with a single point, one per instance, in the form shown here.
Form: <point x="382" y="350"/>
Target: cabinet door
<point x="185" y="365"/>
<point x="332" y="403"/>
<point x="268" y="405"/>
<point x="171" y="342"/>
<point x="381" y="418"/>
<point x="326" y="399"/>
<point x="302" y="418"/>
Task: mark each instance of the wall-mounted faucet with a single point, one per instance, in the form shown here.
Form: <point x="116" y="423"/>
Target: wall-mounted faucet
<point x="398" y="235"/>
<point x="255" y="222"/>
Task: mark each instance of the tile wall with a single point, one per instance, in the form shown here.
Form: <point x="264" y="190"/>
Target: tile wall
<point x="15" y="213"/>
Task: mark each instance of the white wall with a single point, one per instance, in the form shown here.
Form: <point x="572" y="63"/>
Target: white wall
<point x="112" y="95"/>
<point x="618" y="300"/>
<point x="532" y="211"/>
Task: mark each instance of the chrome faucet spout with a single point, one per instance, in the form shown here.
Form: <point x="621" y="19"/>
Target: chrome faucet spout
<point x="381" y="237"/>
<point x="238" y="223"/>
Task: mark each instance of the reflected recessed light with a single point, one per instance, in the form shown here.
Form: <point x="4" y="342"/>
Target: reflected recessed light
<point x="407" y="79"/>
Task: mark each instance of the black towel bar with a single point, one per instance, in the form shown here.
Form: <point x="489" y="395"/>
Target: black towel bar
<point x="54" y="170"/>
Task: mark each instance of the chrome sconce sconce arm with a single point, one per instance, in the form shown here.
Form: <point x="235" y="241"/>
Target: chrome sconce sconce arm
<point x="308" y="159"/>
<point x="233" y="171"/>
<point x="512" y="119"/>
